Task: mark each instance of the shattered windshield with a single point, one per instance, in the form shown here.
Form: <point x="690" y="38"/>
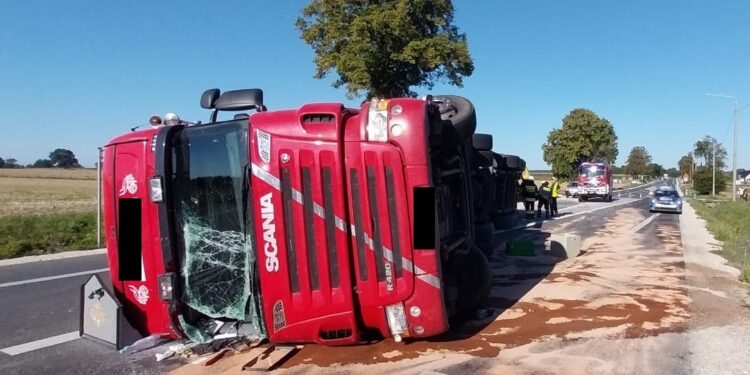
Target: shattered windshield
<point x="210" y="187"/>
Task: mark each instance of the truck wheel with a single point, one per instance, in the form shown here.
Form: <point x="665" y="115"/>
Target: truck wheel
<point x="514" y="162"/>
<point x="481" y="142"/>
<point x="474" y="281"/>
<point x="485" y="238"/>
<point x="459" y="111"/>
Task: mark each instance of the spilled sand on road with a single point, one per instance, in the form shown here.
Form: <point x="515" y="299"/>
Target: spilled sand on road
<point x="616" y="289"/>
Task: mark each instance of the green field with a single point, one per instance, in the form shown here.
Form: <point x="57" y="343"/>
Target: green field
<point x="729" y="223"/>
<point x="46" y="211"/>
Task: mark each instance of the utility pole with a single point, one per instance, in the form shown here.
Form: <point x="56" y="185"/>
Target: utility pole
<point x="692" y="171"/>
<point x="734" y="145"/>
<point x="713" y="182"/>
<point x="734" y="152"/>
<point x="99" y="198"/>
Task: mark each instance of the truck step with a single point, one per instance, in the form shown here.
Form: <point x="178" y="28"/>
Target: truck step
<point x="266" y="359"/>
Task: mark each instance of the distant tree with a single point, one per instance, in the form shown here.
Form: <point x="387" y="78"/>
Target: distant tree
<point x="42" y="163"/>
<point x="383" y="48"/>
<point x="742" y="173"/>
<point x="2" y="163"/>
<point x="673" y="172"/>
<point x="685" y="164"/>
<point x="655" y="170"/>
<point x="638" y="162"/>
<point x="63" y="158"/>
<point x="584" y="136"/>
<point x="704" y="178"/>
<point x="704" y="149"/>
<point x="11" y="163"/>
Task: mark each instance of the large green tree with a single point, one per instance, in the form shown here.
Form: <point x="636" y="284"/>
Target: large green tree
<point x="63" y="158"/>
<point x="384" y="48"/>
<point x="638" y="162"/>
<point x="672" y="172"/>
<point x="655" y="170"/>
<point x="704" y="149"/>
<point x="685" y="164"/>
<point x="584" y="136"/>
<point x="704" y="180"/>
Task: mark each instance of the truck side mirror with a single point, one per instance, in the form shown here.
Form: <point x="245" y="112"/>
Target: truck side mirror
<point x="208" y="99"/>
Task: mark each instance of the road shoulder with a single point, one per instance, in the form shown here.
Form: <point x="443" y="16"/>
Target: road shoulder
<point x="48" y="257"/>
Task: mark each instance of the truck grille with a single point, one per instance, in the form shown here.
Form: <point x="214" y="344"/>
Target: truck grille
<point x="309" y="211"/>
<point x="379" y="189"/>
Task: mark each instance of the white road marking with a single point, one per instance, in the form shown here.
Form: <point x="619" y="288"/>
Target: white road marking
<point x="534" y="223"/>
<point x="48" y="278"/>
<point x="644" y="223"/>
<point x="40" y="344"/>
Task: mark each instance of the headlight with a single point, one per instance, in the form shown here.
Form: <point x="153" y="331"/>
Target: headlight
<point x="155" y="189"/>
<point x="166" y="286"/>
<point x="377" y="121"/>
<point x="397" y="320"/>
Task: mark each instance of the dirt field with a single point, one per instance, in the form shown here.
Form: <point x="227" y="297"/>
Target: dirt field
<point x="56" y="173"/>
<point x="39" y="191"/>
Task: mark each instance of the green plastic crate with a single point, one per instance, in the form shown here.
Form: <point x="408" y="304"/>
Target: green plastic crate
<point x="520" y="248"/>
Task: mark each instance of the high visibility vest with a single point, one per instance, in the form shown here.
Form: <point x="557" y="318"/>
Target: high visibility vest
<point x="555" y="189"/>
<point x="529" y="192"/>
<point x="544" y="192"/>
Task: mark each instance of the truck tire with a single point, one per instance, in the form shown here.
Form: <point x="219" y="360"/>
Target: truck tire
<point x="502" y="163"/>
<point x="459" y="111"/>
<point x="485" y="238"/>
<point x="481" y="142"/>
<point x="474" y="282"/>
<point x="514" y="162"/>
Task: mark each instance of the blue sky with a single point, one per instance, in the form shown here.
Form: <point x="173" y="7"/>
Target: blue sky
<point x="75" y="74"/>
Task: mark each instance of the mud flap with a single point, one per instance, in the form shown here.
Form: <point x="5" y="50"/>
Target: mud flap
<point x="101" y="316"/>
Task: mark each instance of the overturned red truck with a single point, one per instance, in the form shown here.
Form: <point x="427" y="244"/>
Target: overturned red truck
<point x="319" y="224"/>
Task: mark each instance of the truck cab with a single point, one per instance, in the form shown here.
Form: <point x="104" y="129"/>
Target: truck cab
<point x="594" y="181"/>
<point x="317" y="224"/>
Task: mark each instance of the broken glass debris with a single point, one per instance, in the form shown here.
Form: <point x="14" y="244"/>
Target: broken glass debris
<point x="216" y="272"/>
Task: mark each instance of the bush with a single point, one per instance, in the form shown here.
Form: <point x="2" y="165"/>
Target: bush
<point x="43" y="234"/>
<point x="704" y="180"/>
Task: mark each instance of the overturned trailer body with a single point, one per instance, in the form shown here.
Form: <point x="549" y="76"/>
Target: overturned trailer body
<point x="318" y="224"/>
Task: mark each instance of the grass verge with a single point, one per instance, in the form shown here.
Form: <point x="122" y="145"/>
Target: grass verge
<point x="730" y="223"/>
<point x="22" y="235"/>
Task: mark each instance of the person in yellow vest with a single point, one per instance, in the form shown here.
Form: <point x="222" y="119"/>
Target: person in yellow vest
<point x="555" y="193"/>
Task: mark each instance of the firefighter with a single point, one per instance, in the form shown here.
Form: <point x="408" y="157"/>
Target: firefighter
<point x="529" y="193"/>
<point x="555" y="193"/>
<point x="545" y="194"/>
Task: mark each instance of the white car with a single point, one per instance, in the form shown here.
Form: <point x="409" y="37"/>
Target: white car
<point x="571" y="190"/>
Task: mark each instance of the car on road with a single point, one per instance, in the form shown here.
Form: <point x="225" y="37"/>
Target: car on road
<point x="665" y="199"/>
<point x="571" y="190"/>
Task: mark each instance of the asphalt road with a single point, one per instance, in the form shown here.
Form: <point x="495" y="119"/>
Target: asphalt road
<point x="40" y="310"/>
<point x="34" y="309"/>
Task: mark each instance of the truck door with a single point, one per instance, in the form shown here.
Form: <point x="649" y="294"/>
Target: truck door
<point x="131" y="225"/>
